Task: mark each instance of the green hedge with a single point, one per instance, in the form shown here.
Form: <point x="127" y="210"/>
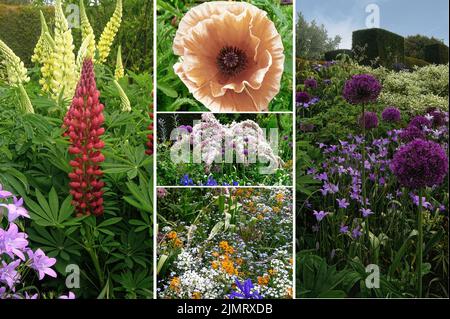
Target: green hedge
<point x="20" y="28"/>
<point x="332" y="55"/>
<point x="436" y="53"/>
<point x="412" y="62"/>
<point x="387" y="46"/>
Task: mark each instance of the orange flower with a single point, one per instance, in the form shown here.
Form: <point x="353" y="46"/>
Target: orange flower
<point x="231" y="56"/>
<point x="174" y="283"/>
<point x="172" y="235"/>
<point x="264" y="280"/>
<point x="196" y="295"/>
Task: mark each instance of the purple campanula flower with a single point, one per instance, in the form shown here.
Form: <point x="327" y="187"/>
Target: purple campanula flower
<point x="320" y="215"/>
<point x="425" y="204"/>
<point x="15" y="210"/>
<point x="366" y="212"/>
<point x="8" y="273"/>
<point x="41" y="263"/>
<point x="186" y="181"/>
<point x="356" y="232"/>
<point x="342" y="203"/>
<point x="3" y="193"/>
<point x="13" y="242"/>
<point x="343" y="229"/>
<point x="70" y="295"/>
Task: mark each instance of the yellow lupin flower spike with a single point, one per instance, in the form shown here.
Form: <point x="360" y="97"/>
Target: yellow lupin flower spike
<point x="42" y="49"/>
<point x="16" y="75"/>
<point x="119" y="72"/>
<point x="86" y="31"/>
<point x="109" y="33"/>
<point x="64" y="74"/>
<point x="124" y="101"/>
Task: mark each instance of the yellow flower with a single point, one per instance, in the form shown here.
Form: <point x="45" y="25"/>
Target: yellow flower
<point x="175" y="283"/>
<point x="276" y="209"/>
<point x="16" y="73"/>
<point x="215" y="264"/>
<point x="260" y="217"/>
<point x="86" y="30"/>
<point x="279" y="197"/>
<point x="63" y="66"/>
<point x="109" y="33"/>
<point x="178" y="242"/>
<point x="119" y="72"/>
<point x="42" y="50"/>
<point x="264" y="280"/>
<point x="196" y="295"/>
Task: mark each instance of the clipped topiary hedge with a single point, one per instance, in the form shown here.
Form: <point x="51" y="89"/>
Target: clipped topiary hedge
<point x="20" y="28"/>
<point x="387" y="46"/>
<point x="332" y="55"/>
<point x="412" y="62"/>
<point x="436" y="53"/>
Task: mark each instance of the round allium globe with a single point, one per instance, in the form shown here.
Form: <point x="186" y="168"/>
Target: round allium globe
<point x="420" y="122"/>
<point x="420" y="164"/>
<point x="391" y="114"/>
<point x="361" y="89"/>
<point x="310" y="83"/>
<point x="368" y="120"/>
<point x="411" y="133"/>
<point x="438" y="118"/>
<point x="302" y="97"/>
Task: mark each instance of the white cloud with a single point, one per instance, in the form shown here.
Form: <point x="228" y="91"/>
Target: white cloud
<point x="344" y="28"/>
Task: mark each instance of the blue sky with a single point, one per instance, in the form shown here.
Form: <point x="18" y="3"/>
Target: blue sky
<point x="405" y="17"/>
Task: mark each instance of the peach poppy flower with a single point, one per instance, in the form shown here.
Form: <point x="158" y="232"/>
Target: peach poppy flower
<point x="231" y="56"/>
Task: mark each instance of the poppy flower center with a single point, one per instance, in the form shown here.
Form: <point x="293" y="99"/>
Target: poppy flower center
<point x="231" y="60"/>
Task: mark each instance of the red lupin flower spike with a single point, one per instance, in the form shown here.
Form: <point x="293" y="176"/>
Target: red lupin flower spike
<point x="149" y="144"/>
<point x="83" y="123"/>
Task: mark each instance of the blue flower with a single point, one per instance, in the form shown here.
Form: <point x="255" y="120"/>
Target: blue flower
<point x="211" y="182"/>
<point x="186" y="181"/>
<point x="245" y="291"/>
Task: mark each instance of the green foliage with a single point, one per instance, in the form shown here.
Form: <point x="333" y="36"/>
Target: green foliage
<point x="436" y="53"/>
<point x="412" y="62"/>
<point x="20" y="28"/>
<point x="415" y="45"/>
<point x="388" y="47"/>
<point x="335" y="54"/>
<point x="312" y="40"/>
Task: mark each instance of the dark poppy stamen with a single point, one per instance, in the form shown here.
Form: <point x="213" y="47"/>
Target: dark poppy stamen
<point x="231" y="61"/>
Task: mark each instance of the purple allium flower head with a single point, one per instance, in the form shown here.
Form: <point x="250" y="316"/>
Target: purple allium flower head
<point x="310" y="83"/>
<point x="361" y="88"/>
<point x="245" y="291"/>
<point x="411" y="133"/>
<point x="41" y="263"/>
<point x="320" y="215"/>
<point x="419" y="164"/>
<point x="302" y="97"/>
<point x="420" y="122"/>
<point x="368" y="120"/>
<point x="391" y="114"/>
<point x="438" y="118"/>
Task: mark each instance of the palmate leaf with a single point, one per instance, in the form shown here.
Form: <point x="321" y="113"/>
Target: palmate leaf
<point x="49" y="213"/>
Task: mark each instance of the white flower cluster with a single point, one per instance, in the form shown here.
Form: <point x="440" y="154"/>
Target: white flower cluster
<point x="213" y="142"/>
<point x="281" y="279"/>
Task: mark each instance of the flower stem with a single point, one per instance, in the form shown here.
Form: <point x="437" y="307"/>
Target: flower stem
<point x="419" y="247"/>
